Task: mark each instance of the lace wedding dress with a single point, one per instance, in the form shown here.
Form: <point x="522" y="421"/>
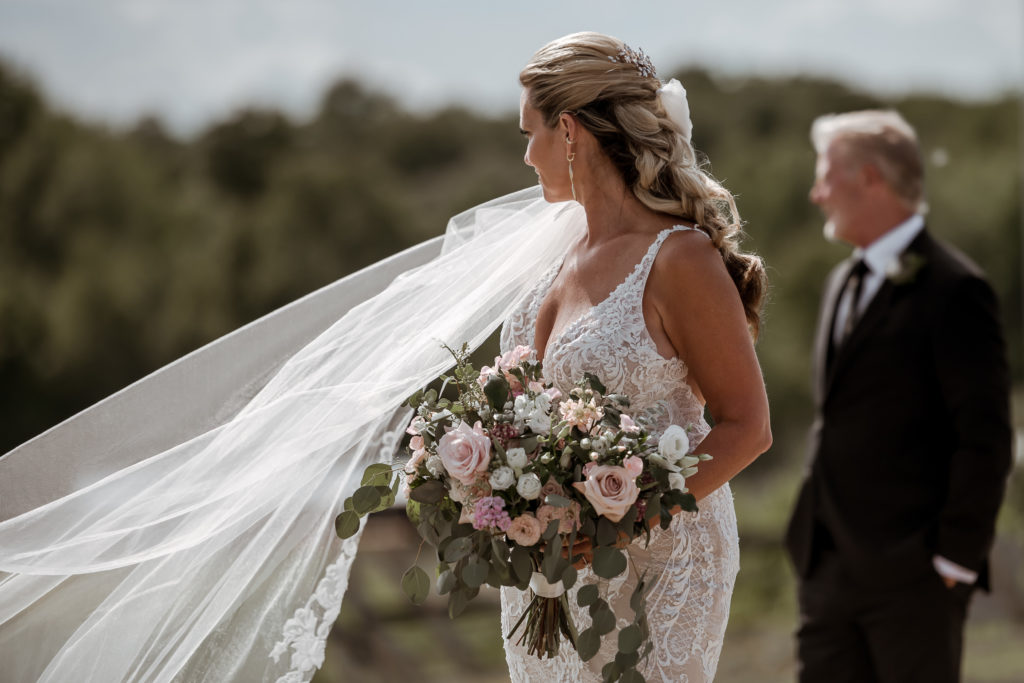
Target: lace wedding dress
<point x="694" y="562"/>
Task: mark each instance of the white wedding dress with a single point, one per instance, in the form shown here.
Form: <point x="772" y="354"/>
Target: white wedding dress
<point x="694" y="563"/>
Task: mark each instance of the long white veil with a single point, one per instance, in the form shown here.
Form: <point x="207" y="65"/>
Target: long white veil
<point x="182" y="530"/>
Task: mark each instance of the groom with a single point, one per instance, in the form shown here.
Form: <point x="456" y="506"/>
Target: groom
<point x="910" y="447"/>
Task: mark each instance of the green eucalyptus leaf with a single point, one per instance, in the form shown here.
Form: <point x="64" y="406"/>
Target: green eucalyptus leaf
<point x="457" y="602"/>
<point x="522" y="565"/>
<point x="630" y="640"/>
<point x="375" y="475"/>
<point x="587" y="644"/>
<point x="557" y="501"/>
<point x="346" y="524"/>
<point x="551" y="531"/>
<point x="604" y="620"/>
<point x="365" y="500"/>
<point x="587" y="595"/>
<point x="446" y="582"/>
<point x="632" y="676"/>
<point x="416" y="584"/>
<point x="569" y="576"/>
<point x="428" y="532"/>
<point x="607" y="534"/>
<point x="474" y="574"/>
<point x="431" y="491"/>
<point x="611" y="671"/>
<point x="609" y="562"/>
<point x="458" y="548"/>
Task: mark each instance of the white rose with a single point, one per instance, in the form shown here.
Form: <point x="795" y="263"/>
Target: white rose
<point x="674" y="444"/>
<point x="529" y="486"/>
<point x="502" y="478"/>
<point x="516" y="458"/>
<point x="677" y="481"/>
<point x="539" y="423"/>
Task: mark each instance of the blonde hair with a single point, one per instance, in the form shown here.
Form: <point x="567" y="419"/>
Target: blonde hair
<point x="883" y="139"/>
<point x="581" y="74"/>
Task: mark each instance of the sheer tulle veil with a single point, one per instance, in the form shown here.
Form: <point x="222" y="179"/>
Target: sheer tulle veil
<point x="183" y="529"/>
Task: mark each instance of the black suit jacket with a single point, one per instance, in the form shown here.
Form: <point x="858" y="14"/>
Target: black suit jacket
<point x="911" y="442"/>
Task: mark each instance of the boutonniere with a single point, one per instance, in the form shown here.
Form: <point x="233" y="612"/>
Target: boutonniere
<point x="904" y="269"/>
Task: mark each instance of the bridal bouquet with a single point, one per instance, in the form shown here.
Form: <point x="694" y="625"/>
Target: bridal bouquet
<point x="504" y="478"/>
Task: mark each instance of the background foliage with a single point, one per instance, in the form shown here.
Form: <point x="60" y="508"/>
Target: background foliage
<point x="121" y="250"/>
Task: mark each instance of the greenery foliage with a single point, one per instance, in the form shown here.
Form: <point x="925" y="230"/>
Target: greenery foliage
<point x="122" y="250"/>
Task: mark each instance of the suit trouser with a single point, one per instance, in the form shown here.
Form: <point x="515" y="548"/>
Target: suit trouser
<point x="849" y="633"/>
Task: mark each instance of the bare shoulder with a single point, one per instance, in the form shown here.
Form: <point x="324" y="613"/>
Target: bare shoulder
<point x="688" y="263"/>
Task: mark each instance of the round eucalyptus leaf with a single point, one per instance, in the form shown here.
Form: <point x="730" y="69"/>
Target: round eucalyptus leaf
<point x="346" y="524"/>
<point x="609" y="562"/>
<point x="587" y="595"/>
<point x="416" y="584"/>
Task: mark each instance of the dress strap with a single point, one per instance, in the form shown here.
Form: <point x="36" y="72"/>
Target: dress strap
<point x="652" y="252"/>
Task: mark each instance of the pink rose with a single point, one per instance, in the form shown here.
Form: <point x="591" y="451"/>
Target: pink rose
<point x="633" y="465"/>
<point x="610" y="489"/>
<point x="525" y="530"/>
<point x="551" y="488"/>
<point x="464" y="451"/>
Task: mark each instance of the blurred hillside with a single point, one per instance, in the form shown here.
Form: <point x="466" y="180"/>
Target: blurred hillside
<point x="122" y="250"/>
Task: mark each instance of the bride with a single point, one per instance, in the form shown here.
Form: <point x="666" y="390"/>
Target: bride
<point x="655" y="298"/>
<point x="182" y="530"/>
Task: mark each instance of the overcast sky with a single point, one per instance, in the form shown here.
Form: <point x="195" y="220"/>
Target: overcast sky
<point x="189" y="61"/>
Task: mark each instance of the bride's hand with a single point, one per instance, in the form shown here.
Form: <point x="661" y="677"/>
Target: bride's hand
<point x="583" y="550"/>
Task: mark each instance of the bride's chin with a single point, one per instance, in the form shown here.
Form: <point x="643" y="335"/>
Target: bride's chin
<point x="553" y="196"/>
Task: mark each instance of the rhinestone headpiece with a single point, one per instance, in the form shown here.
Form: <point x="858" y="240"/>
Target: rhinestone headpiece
<point x="637" y="58"/>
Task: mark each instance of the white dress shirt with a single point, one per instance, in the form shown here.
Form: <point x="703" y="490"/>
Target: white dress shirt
<point x="879" y="256"/>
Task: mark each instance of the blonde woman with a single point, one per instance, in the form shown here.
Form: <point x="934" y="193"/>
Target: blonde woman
<point x="657" y="300"/>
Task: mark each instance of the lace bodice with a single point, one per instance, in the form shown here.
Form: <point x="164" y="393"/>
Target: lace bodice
<point x="696" y="559"/>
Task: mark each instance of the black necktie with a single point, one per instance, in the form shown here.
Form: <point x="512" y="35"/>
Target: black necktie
<point x="854" y="283"/>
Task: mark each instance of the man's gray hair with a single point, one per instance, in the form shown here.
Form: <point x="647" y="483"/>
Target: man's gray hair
<point x="881" y="138"/>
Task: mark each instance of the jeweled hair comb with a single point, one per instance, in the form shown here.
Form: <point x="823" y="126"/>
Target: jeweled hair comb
<point x="637" y="58"/>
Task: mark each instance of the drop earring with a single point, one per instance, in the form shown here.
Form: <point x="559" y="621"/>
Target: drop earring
<point x="570" y="157"/>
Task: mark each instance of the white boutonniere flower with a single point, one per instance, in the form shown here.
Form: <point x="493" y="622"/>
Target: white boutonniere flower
<point x="904" y="269"/>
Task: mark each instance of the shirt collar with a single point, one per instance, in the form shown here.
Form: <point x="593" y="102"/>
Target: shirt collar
<point x="887" y="248"/>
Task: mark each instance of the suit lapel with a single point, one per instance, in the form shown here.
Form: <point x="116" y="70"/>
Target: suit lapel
<point x="873" y="316"/>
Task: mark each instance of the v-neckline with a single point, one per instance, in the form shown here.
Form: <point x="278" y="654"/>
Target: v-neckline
<point x="542" y="295"/>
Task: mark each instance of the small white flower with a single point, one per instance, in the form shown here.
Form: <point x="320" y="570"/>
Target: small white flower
<point x="674" y="444"/>
<point x="435" y="465"/>
<point x="516" y="458"/>
<point x="529" y="486"/>
<point x="543" y="402"/>
<point x="502" y="478"/>
<point x="539" y="422"/>
<point x="565" y="460"/>
<point x="309" y="653"/>
<point x="677" y="481"/>
<point x="599" y="445"/>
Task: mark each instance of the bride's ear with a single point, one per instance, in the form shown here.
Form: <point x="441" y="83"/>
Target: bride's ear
<point x="568" y="125"/>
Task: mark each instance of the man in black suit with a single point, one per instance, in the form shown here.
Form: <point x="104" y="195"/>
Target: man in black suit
<point x="911" y="443"/>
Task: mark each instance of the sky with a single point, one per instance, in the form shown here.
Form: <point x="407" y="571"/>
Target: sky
<point x="190" y="62"/>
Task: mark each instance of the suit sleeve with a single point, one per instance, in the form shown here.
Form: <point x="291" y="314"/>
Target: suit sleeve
<point x="970" y="358"/>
